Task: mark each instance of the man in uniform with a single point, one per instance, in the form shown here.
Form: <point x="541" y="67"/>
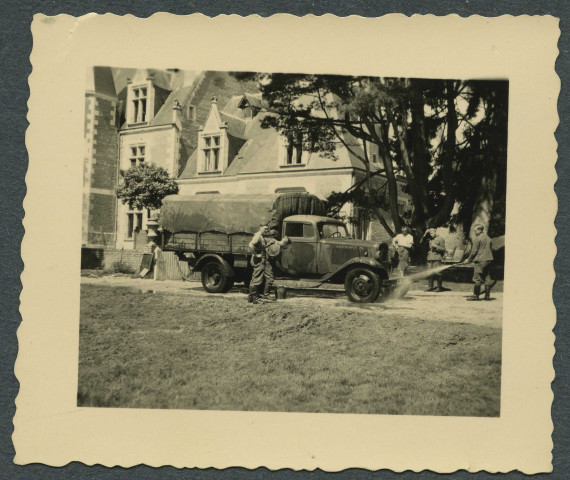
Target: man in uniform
<point x="265" y="248"/>
<point x="403" y="242"/>
<point x="482" y="257"/>
<point x="272" y="250"/>
<point x="257" y="247"/>
<point x="434" y="259"/>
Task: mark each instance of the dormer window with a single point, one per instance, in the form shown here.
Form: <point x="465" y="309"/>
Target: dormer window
<point x="211" y="153"/>
<point x="191" y="112"/>
<point x="292" y="152"/>
<point x="139" y="104"/>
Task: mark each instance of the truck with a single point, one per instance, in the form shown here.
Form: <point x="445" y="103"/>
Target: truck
<point x="212" y="233"/>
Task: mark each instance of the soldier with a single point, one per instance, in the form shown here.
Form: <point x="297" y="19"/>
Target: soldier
<point x="434" y="258"/>
<point x="272" y="250"/>
<point x="403" y="243"/>
<point x="482" y="257"/>
<point x="265" y="248"/>
<point x="258" y="260"/>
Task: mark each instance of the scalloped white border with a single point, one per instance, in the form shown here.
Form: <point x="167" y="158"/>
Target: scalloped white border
<point x="50" y="429"/>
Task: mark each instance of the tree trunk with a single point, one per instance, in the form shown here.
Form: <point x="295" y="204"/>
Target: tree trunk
<point x="419" y="147"/>
<point x="420" y="201"/>
<point x="373" y="204"/>
<point x="384" y="152"/>
<point x="446" y="208"/>
<point x="484" y="204"/>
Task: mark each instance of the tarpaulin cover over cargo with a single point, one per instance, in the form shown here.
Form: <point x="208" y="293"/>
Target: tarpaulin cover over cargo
<point x="234" y="213"/>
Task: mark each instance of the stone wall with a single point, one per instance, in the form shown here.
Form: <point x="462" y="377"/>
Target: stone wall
<point x="101" y="168"/>
<point x="104" y="258"/>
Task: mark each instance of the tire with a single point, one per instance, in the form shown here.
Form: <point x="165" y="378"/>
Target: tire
<point x="244" y="277"/>
<point x="215" y="279"/>
<point x="362" y="285"/>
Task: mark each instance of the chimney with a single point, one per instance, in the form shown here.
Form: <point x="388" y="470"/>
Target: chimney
<point x="177" y="113"/>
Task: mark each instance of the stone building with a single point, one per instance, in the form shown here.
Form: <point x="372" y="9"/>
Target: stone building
<point x="100" y="162"/>
<point x="161" y="114"/>
<point x="167" y="117"/>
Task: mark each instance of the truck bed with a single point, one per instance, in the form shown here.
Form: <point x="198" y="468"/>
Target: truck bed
<point x="235" y="243"/>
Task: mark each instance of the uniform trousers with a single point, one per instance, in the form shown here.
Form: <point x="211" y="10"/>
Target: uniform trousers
<point x="482" y="273"/>
<point x="262" y="270"/>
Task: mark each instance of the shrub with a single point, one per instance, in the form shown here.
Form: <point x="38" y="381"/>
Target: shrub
<point x="122" y="267"/>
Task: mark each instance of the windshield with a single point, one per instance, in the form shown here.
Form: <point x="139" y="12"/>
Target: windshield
<point x="332" y="230"/>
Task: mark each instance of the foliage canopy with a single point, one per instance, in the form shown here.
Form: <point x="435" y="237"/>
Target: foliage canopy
<point x="446" y="138"/>
<point x="144" y="186"/>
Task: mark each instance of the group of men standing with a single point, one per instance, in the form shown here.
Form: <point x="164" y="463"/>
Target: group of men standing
<point x="481" y="256"/>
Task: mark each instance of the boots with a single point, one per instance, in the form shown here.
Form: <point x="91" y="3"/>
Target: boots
<point x="266" y="293"/>
<point x="430" y="285"/>
<point x="253" y="296"/>
<point x="439" y="285"/>
<point x="476" y="293"/>
<point x="487" y="292"/>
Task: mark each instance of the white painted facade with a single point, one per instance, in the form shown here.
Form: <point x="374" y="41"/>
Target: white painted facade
<point x="161" y="148"/>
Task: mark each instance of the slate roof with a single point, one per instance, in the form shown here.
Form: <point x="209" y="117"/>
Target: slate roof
<point x="101" y="81"/>
<point x="255" y="100"/>
<point x="236" y="126"/>
<point x="260" y="152"/>
<point x="232" y="108"/>
<point x="164" y="115"/>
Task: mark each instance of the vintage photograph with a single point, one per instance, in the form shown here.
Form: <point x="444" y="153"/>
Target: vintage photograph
<point x="296" y="253"/>
<point x="262" y="241"/>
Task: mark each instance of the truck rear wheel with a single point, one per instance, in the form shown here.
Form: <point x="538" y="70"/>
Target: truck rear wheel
<point x="362" y="285"/>
<point x="243" y="276"/>
<point x="215" y="279"/>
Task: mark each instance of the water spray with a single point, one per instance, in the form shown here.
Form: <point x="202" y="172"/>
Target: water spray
<point x="428" y="273"/>
<point x="405" y="282"/>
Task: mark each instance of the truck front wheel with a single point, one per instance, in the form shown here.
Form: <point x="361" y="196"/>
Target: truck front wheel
<point x="362" y="285"/>
<point x="215" y="279"/>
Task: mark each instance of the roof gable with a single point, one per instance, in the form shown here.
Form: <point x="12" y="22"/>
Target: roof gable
<point x="214" y="122"/>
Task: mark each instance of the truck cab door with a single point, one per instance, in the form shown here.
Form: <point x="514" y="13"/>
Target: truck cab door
<point x="300" y="257"/>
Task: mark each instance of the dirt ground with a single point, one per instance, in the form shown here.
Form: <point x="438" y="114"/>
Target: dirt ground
<point x="450" y="306"/>
<point x="169" y="344"/>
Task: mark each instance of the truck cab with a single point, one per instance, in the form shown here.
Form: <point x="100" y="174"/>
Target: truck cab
<point x="321" y="248"/>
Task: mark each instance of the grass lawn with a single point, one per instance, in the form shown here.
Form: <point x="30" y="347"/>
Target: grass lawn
<point x="216" y="352"/>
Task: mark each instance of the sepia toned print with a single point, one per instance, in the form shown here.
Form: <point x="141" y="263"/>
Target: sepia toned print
<point x="287" y="253"/>
<point x="367" y="188"/>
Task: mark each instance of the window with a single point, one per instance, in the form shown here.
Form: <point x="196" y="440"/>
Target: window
<point x="332" y="230"/>
<point x="300" y="230"/>
<point x="191" y="112"/>
<point x="211" y="151"/>
<point x="139" y="104"/>
<point x="137" y="155"/>
<point x="374" y="158"/>
<point x="293" y="151"/>
<point x="134" y="223"/>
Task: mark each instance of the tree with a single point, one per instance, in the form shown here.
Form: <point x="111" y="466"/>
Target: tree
<point x="144" y="186"/>
<point x="446" y="137"/>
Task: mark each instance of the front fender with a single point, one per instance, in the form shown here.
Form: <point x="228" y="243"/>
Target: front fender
<point x="212" y="256"/>
<point x="339" y="273"/>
